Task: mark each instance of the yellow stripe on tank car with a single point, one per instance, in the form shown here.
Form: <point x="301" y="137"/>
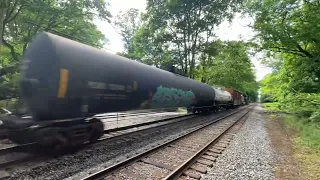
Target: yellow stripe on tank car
<point x="63" y="84"/>
<point x="135" y="85"/>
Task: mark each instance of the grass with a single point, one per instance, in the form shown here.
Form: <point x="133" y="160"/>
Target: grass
<point x="308" y="133"/>
<point x="306" y="145"/>
<point x="273" y="107"/>
<point x="309" y="162"/>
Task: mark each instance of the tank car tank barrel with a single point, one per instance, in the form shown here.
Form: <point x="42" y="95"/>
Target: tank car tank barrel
<point x="62" y="78"/>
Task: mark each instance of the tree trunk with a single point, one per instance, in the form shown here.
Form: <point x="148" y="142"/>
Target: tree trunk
<point x="2" y="16"/>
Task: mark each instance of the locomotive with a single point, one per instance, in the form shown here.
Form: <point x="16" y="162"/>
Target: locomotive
<point x="66" y="83"/>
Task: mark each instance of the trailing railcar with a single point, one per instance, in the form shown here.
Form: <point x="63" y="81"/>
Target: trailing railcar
<point x="222" y="98"/>
<point x="237" y="96"/>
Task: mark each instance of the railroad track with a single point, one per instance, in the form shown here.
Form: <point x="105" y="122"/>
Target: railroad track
<point x="177" y="156"/>
<point x="19" y="157"/>
<point x="130" y="113"/>
<point x="16" y="154"/>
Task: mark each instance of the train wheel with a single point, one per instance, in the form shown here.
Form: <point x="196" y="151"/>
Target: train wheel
<point x="51" y="138"/>
<point x="17" y="138"/>
<point x="97" y="131"/>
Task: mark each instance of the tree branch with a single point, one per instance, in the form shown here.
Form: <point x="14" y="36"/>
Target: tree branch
<point x="9" y="12"/>
<point x="14" y="16"/>
<point x="301" y="52"/>
<point x="304" y="51"/>
<point x="12" y="50"/>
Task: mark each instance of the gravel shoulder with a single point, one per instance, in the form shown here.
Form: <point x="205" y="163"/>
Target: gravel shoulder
<point x="250" y="154"/>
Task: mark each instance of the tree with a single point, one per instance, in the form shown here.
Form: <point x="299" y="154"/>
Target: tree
<point x="127" y="25"/>
<point x="21" y="20"/>
<point x="231" y="67"/>
<point x="187" y="25"/>
<point x="151" y="49"/>
<point x="270" y="87"/>
<point x="72" y="19"/>
<point x="290" y="29"/>
<point x="3" y="5"/>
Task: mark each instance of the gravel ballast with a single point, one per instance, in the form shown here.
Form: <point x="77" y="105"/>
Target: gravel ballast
<point x="107" y="152"/>
<point x="249" y="156"/>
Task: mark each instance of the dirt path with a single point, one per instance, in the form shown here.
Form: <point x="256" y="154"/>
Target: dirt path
<point x="286" y="166"/>
<point x="292" y="162"/>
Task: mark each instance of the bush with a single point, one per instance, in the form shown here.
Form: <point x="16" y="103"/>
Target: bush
<point x="303" y="105"/>
<point x="273" y="107"/>
<point x="266" y="98"/>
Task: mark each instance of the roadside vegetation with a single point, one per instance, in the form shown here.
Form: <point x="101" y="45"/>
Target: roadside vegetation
<point x="289" y="35"/>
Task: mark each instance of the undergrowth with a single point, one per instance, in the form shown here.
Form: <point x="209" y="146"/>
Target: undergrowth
<point x="306" y="140"/>
<point x="308" y="132"/>
<point x="272" y="106"/>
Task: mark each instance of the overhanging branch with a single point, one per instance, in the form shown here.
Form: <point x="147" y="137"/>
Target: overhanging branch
<point x="304" y="51"/>
<point x="12" y="50"/>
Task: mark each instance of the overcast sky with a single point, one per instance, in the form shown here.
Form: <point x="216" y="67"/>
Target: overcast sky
<point x="226" y="31"/>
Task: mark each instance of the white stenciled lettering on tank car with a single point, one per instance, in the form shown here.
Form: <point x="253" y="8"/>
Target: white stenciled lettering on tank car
<point x="97" y="85"/>
<point x="116" y="87"/>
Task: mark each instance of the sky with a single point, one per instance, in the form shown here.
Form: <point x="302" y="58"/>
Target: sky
<point x="236" y="30"/>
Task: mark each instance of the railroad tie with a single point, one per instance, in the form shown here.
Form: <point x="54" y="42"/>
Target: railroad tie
<point x="199" y="167"/>
<point x="221" y="145"/>
<point x="229" y="137"/>
<point x="157" y="164"/>
<point x="184" y="177"/>
<point x="224" y="142"/>
<point x="128" y="173"/>
<point x="188" y="148"/>
<point x="209" y="158"/>
<point x="212" y="154"/>
<point x="218" y="148"/>
<point x="192" y="174"/>
<point x="205" y="162"/>
<point x="215" y="151"/>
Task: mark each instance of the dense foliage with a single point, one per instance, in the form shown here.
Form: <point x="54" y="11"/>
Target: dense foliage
<point x="289" y="31"/>
<point x="181" y="33"/>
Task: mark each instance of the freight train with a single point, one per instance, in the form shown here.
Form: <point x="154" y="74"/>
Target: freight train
<point x="65" y="83"/>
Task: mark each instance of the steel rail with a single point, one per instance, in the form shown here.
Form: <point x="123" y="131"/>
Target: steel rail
<point x="175" y="174"/>
<point x="146" y="123"/>
<point x="29" y="146"/>
<point x="137" y="157"/>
